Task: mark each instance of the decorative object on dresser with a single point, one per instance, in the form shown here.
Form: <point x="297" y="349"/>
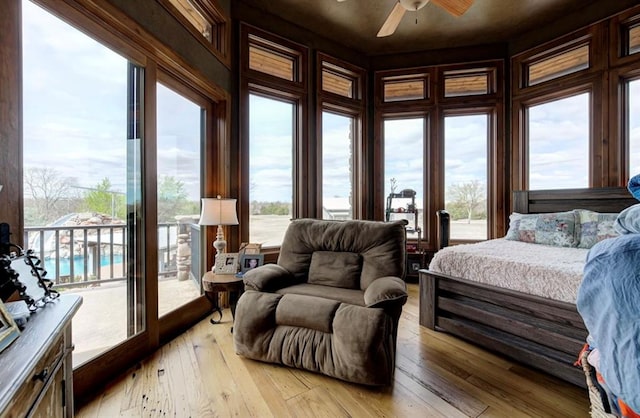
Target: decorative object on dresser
<point x="21" y="272"/>
<point x="8" y="329"/>
<point x="36" y="375"/>
<point x="539" y="331"/>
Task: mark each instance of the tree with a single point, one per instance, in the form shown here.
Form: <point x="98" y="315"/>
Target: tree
<point x="101" y="199"/>
<point x="467" y="197"/>
<point x="172" y="200"/>
<point x="50" y="194"/>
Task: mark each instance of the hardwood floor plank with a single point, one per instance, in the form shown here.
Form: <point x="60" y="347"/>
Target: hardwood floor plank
<point x="198" y="374"/>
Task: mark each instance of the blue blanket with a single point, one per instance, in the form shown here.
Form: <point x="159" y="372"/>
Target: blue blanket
<point x="609" y="302"/>
<point x="628" y="221"/>
<point x="634" y="186"/>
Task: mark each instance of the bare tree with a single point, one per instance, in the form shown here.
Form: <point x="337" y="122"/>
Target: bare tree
<point x="48" y="189"/>
<point x="467" y="196"/>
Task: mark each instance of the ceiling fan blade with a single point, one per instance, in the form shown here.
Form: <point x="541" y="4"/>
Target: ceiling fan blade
<point x="393" y="20"/>
<point x="455" y="7"/>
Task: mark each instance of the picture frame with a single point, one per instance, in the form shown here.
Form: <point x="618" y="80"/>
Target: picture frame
<point x="9" y="330"/>
<point x="226" y="263"/>
<point x="250" y="261"/>
<point x="250" y="248"/>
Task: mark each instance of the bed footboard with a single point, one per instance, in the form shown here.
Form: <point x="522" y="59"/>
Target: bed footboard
<point x="541" y="333"/>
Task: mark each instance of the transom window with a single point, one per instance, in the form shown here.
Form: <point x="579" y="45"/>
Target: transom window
<point x="558" y="65"/>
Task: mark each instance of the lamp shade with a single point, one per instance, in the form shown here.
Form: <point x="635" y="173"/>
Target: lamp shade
<point x="218" y="211"/>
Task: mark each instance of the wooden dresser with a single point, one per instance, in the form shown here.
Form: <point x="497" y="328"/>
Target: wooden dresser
<point x="36" y="374"/>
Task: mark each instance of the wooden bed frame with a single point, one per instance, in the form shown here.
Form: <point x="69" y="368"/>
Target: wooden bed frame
<point x="542" y="333"/>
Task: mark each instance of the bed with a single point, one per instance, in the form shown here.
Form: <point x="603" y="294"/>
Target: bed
<point x="540" y="332"/>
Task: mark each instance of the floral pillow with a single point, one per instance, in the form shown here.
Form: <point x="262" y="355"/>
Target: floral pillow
<point x="593" y="227"/>
<point x="558" y="228"/>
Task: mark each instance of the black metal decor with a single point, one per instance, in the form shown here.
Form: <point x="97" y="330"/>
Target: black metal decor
<point x="22" y="272"/>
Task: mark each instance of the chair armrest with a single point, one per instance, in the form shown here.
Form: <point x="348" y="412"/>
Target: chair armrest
<point x="443" y="228"/>
<point x="268" y="278"/>
<point x="385" y="291"/>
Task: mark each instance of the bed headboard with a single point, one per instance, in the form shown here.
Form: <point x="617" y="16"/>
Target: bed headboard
<point x="606" y="199"/>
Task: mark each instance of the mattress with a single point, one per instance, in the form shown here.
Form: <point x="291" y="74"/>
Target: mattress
<point x="547" y="271"/>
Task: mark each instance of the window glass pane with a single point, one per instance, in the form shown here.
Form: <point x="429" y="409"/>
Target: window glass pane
<point x="269" y="62"/>
<point x="270" y="169"/>
<point x="195" y="17"/>
<point x="558" y="135"/>
<point x="395" y="91"/>
<point x="179" y="255"/>
<point x="404" y="170"/>
<point x="634" y="39"/>
<point x="338" y="84"/>
<point x="82" y="178"/>
<point x="633" y="116"/>
<point x="465" y="175"/>
<point x="562" y="64"/>
<point x="337" y="168"/>
<point x="466" y="85"/>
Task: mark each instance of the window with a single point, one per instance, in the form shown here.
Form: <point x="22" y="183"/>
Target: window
<point x="180" y="138"/>
<point x="404" y="166"/>
<point x="465" y="175"/>
<point x="633" y="128"/>
<point x="271" y="140"/>
<point x="206" y="20"/>
<point x="337" y="166"/>
<point x="633" y="34"/>
<point x="82" y="162"/>
<point x="337" y="83"/>
<point x="406" y="87"/>
<point x="549" y="68"/>
<point x="559" y="133"/>
<point x="467" y="83"/>
<point x="271" y="58"/>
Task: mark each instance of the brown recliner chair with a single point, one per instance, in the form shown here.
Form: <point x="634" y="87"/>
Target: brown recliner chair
<point x="332" y="302"/>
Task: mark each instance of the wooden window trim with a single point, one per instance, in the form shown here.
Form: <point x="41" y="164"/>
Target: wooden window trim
<point x="221" y="27"/>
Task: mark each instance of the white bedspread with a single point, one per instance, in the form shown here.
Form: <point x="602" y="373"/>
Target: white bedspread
<point x="542" y="270"/>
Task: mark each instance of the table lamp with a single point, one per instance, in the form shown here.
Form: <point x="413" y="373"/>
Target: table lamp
<point x="218" y="211"/>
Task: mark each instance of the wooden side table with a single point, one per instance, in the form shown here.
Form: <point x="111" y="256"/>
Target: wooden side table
<point x="214" y="283"/>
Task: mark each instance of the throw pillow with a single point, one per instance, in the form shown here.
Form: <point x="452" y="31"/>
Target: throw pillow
<point x="337" y="269"/>
<point x="593" y="227"/>
<point x="558" y="228"/>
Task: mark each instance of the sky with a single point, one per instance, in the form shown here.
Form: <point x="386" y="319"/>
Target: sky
<point x="75" y="121"/>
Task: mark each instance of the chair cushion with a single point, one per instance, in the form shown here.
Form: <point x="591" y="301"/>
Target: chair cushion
<point x="334" y="268"/>
<point x="350" y="296"/>
<point x="293" y="310"/>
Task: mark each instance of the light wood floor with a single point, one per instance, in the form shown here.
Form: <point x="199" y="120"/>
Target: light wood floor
<point x="199" y="375"/>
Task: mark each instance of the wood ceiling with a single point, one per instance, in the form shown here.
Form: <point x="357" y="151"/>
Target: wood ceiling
<point x="355" y="23"/>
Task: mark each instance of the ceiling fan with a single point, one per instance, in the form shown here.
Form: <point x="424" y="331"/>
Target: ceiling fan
<point x="455" y="7"/>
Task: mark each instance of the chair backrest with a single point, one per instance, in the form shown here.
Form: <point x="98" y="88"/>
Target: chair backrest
<point x="349" y="254"/>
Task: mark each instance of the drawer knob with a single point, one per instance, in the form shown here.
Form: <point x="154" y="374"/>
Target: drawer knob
<point x="42" y="376"/>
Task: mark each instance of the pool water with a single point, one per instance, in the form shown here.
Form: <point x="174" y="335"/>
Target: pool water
<point x="78" y="264"/>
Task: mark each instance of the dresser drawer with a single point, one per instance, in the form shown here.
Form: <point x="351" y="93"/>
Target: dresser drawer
<point x="37" y="380"/>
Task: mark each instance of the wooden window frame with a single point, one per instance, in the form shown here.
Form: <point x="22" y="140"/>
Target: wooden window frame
<point x="434" y="107"/>
<point x="220" y="44"/>
<point x="296" y="92"/>
<point x="489" y="72"/>
<point x="110" y="26"/>
<point x="355" y="108"/>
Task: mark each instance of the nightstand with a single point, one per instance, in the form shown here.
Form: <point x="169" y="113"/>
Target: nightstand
<point x="214" y="283"/>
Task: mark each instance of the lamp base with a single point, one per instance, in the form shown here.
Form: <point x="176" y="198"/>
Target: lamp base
<point x="219" y="244"/>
